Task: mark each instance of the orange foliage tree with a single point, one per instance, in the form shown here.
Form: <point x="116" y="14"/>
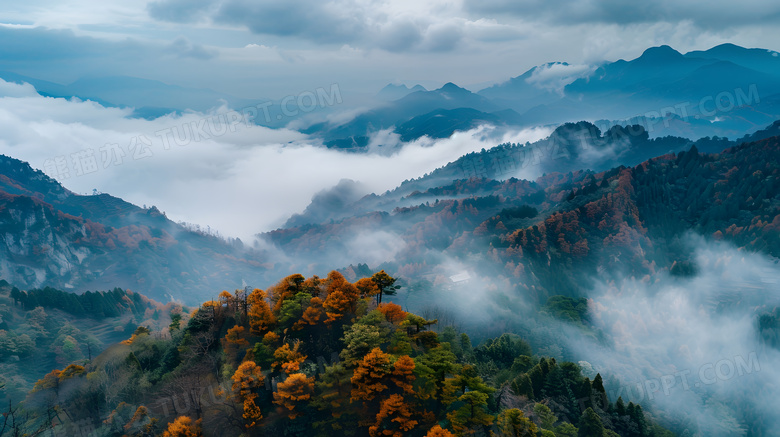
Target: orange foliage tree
<point x="394" y="418"/>
<point x="393" y="312"/>
<point x="261" y="319"/>
<point x="313" y="313"/>
<point x="235" y="341"/>
<point x="342" y="297"/>
<point x="289" y="359"/>
<point x="292" y="391"/>
<point x="183" y="426"/>
<point x="285" y="289"/>
<point x="403" y="373"/>
<point x="367" y="287"/>
<point x="246" y="380"/>
<point x="368" y="381"/>
<point x="438" y="431"/>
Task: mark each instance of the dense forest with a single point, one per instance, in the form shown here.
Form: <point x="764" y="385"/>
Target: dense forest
<point x="545" y="237"/>
<point x="45" y="328"/>
<point x="510" y="262"/>
<point x="321" y="356"/>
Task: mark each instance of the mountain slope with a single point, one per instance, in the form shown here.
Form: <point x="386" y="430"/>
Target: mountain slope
<point x="52" y="237"/>
<point x="500" y="225"/>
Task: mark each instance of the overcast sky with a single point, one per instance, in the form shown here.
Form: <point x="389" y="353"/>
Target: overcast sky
<point x="250" y="180"/>
<point x="272" y="48"/>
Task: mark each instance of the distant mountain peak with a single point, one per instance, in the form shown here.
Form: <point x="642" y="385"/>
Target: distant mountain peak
<point x="729" y="46"/>
<point x="663" y="52"/>
<point x="393" y="91"/>
<point x="393" y="86"/>
<point x="451" y="87"/>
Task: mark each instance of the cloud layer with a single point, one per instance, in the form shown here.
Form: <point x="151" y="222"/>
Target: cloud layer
<point x="210" y="169"/>
<point x="689" y="347"/>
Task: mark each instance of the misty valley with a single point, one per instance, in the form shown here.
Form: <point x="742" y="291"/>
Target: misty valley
<point x="539" y="249"/>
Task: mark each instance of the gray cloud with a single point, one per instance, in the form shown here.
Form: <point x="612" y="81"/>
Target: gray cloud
<point x="704" y="14"/>
<point x="185" y="48"/>
<point x="51" y="45"/>
<point x="178" y="11"/>
<point x="221" y="180"/>
<point x="330" y="22"/>
<point x="399" y="36"/>
<point x="444" y="38"/>
<point x="319" y="21"/>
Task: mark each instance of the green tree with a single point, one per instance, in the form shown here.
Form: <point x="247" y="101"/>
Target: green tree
<point x="435" y="365"/>
<point x="470" y="411"/>
<point x="385" y="284"/>
<point x="513" y="423"/>
<point x="522" y="386"/>
<point x="175" y="322"/>
<point x="545" y="415"/>
<point x="359" y="340"/>
<point x="503" y="350"/>
<point x="590" y="424"/>
<point x="566" y="429"/>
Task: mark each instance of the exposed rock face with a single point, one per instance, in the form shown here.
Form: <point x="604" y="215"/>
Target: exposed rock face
<point x="507" y="399"/>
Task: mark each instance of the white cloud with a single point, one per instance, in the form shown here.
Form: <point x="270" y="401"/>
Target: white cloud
<point x="242" y="182"/>
<point x="661" y="326"/>
<point x="555" y="76"/>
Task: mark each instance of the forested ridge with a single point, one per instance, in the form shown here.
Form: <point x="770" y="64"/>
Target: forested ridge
<point x="347" y="355"/>
<point x="320" y="356"/>
<point x="546" y="237"/>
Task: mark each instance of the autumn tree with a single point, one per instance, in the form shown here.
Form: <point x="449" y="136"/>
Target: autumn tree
<point x="393" y="312"/>
<point x="314" y="313"/>
<point x="225" y="298"/>
<point x="285" y="289"/>
<point x="394" y="418"/>
<point x="235" y="342"/>
<point x="438" y="431"/>
<point x="247" y="379"/>
<point x="183" y="426"/>
<point x="369" y="379"/>
<point x="289" y="359"/>
<point x="71" y="371"/>
<point x="403" y="374"/>
<point x="261" y="318"/>
<point x="293" y="391"/>
<point x="142" y="422"/>
<point x="367" y="287"/>
<point x="341" y="299"/>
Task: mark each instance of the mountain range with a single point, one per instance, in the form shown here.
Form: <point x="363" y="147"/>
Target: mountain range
<point x="53" y="237"/>
<point x="470" y="246"/>
<point x="727" y="91"/>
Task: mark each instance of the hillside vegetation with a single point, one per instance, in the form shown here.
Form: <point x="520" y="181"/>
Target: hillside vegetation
<point x="320" y="356"/>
